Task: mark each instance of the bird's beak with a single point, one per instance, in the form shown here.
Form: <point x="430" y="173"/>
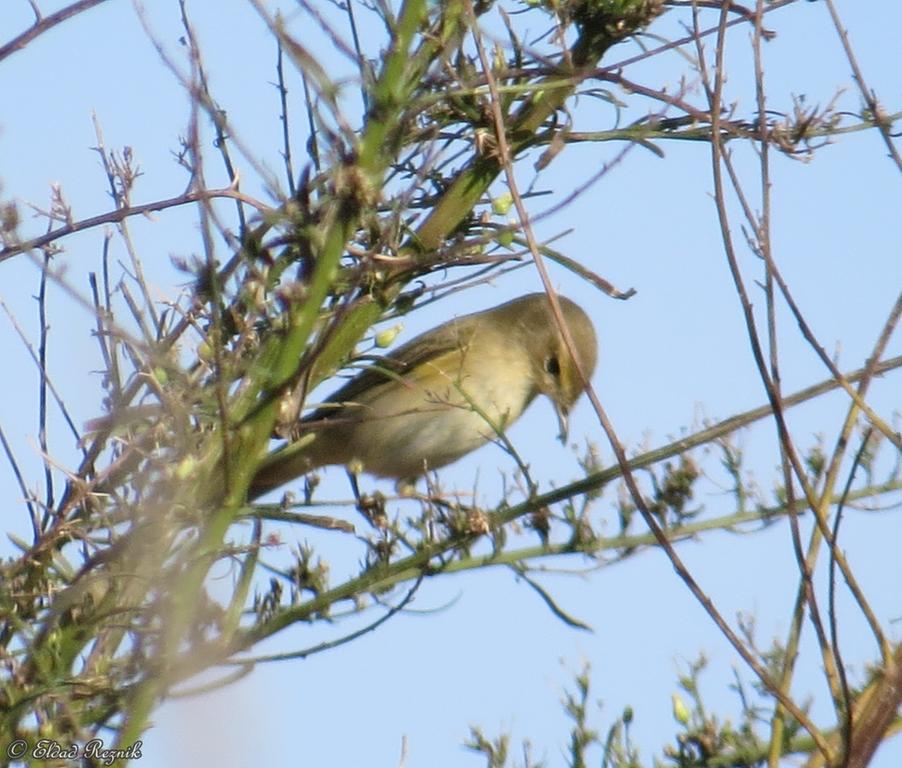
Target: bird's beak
<point x="561" y="412"/>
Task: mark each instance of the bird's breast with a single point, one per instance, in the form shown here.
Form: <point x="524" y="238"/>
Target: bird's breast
<point x="432" y="420"/>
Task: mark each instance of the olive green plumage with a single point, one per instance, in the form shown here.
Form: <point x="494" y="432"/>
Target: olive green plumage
<point x="443" y="394"/>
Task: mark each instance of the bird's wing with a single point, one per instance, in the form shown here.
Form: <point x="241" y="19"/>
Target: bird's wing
<point x="441" y="347"/>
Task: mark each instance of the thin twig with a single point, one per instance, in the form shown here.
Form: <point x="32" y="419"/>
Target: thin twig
<point x="877" y="111"/>
<point x="283" y="118"/>
<point x="42" y="389"/>
<point x="20" y="479"/>
<point x="846" y="714"/>
<point x="629" y="479"/>
<point x="120" y="214"/>
<point x="715" y="99"/>
<point x="43" y="373"/>
<point x="44" y="24"/>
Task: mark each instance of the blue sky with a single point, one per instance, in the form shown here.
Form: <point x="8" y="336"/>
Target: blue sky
<point x="483" y="648"/>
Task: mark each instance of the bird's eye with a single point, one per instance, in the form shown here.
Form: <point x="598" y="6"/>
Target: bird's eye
<point x="552" y="365"/>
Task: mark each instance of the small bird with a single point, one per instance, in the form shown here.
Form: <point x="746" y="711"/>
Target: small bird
<point x="443" y="394"/>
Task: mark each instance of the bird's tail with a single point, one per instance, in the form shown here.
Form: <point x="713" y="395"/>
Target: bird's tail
<point x="283" y="465"/>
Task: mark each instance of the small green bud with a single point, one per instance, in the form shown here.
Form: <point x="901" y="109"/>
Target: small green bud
<point x="386" y="337"/>
<point x="680" y="711"/>
<point x="502" y="204"/>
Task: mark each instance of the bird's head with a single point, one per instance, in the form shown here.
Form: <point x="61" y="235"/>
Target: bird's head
<point x="554" y="371"/>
